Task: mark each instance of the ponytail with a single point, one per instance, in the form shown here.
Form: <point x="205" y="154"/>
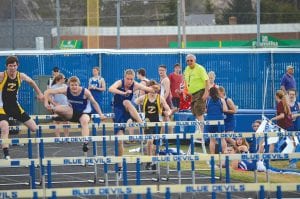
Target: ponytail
<point x="281" y="95"/>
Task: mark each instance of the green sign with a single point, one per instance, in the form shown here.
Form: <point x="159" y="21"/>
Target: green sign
<point x="266" y="41"/>
<point x="70" y="44"/>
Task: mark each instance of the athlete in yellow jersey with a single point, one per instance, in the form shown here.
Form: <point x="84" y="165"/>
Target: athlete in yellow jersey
<point x="153" y="104"/>
<point x="10" y="82"/>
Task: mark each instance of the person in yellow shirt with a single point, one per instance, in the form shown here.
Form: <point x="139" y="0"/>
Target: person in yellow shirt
<point x="196" y="79"/>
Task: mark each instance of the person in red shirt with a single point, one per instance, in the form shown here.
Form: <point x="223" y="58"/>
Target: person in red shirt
<point x="185" y="98"/>
<point x="283" y="115"/>
<point x="176" y="79"/>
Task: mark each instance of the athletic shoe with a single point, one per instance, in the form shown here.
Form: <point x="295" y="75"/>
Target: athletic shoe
<point x="119" y="173"/>
<point x="148" y="166"/>
<point x="6" y="154"/>
<point x="292" y="166"/>
<point x="85" y="147"/>
<point x="153" y="167"/>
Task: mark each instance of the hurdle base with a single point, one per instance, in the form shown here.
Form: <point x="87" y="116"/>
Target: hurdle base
<point x="16" y="183"/>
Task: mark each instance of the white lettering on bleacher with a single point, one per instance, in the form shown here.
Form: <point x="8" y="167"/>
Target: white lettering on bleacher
<point x="80" y="161"/>
<point x="101" y="191"/>
<point x="264" y="156"/>
<point x="8" y="194"/>
<point x="174" y="158"/>
<point x="73" y="139"/>
<point x="186" y="123"/>
<point x="215" y="188"/>
<point x="223" y="135"/>
<point x="145" y="137"/>
<point x="288" y="133"/>
<point x="275" y="156"/>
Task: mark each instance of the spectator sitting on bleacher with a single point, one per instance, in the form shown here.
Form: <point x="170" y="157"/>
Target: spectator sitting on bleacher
<point x="240" y="142"/>
<point x="251" y="141"/>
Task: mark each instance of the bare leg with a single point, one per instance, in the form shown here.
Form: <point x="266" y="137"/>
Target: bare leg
<point x="66" y="131"/>
<point x="65" y="112"/>
<point x="4" y="132"/>
<point x="132" y="111"/>
<point x="130" y="129"/>
<point x="84" y="121"/>
<point x="200" y="118"/>
<point x="150" y="147"/>
<point x="57" y="130"/>
<point x="120" y="146"/>
<point x="31" y="125"/>
<point x="224" y="145"/>
<point x="212" y="146"/>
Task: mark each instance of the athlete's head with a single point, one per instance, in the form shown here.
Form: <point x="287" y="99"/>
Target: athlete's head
<point x="162" y="70"/>
<point x="214" y="93"/>
<point x="96" y="71"/>
<point x="190" y="60"/>
<point x="74" y="83"/>
<point x="153" y="84"/>
<point x="129" y="75"/>
<point x="141" y="73"/>
<point x="60" y="78"/>
<point x="292" y="93"/>
<point x="12" y="63"/>
<point x="222" y="92"/>
<point x="211" y="76"/>
<point x="177" y="68"/>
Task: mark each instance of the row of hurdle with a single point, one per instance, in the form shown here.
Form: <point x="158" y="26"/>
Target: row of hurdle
<point x="45" y="165"/>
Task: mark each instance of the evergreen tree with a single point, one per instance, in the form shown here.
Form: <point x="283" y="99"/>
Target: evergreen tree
<point x="241" y="9"/>
<point x="209" y="7"/>
<point x="278" y="11"/>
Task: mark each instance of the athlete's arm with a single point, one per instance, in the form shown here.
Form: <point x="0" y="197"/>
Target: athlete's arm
<point x="103" y="85"/>
<point x="140" y="99"/>
<point x="143" y="87"/>
<point x="231" y="106"/>
<point x="114" y="88"/>
<point x="166" y="106"/>
<point x="49" y="92"/>
<point x="225" y="109"/>
<point x="96" y="106"/>
<point x="32" y="83"/>
<point x="1" y="76"/>
<point x="166" y="85"/>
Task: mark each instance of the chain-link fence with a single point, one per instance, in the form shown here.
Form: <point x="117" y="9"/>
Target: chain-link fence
<point x="146" y="23"/>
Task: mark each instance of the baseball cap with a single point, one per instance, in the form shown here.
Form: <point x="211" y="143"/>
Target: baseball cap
<point x="55" y="69"/>
<point x="289" y="66"/>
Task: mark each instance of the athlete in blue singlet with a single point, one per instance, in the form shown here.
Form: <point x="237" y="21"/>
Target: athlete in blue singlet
<point x="215" y="107"/>
<point x="123" y="108"/>
<point x="80" y="100"/>
<point x="96" y="86"/>
<point x="295" y="109"/>
<point x="229" y="120"/>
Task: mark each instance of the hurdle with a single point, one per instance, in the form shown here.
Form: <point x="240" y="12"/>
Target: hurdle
<point x="93" y="139"/>
<point x="164" y="136"/>
<point x="148" y="190"/>
<point x="195" y="158"/>
<point x="138" y="159"/>
<point x="16" y="164"/>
